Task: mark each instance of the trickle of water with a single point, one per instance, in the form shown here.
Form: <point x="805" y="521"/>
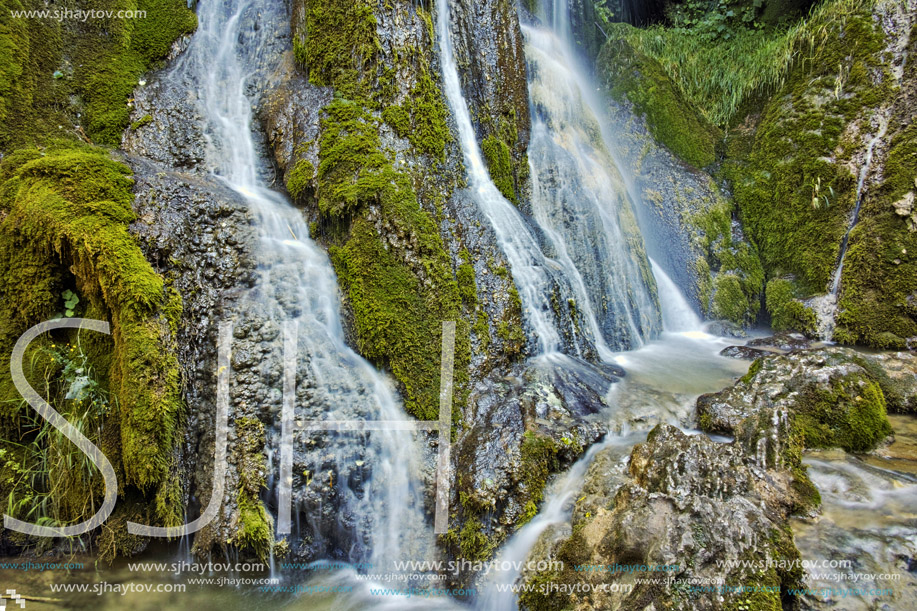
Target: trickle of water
<point x="864" y="171"/>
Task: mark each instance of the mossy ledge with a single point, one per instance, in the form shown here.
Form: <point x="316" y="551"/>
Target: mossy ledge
<point x="64" y="216"/>
<point x="628" y="73"/>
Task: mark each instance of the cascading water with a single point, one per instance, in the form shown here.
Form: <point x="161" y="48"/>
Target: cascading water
<point x="580" y="201"/>
<point x="576" y="274"/>
<point x="677" y="313"/>
<point x="368" y="479"/>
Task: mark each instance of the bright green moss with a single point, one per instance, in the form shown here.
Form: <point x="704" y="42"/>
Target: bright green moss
<point x="500" y="164"/>
<point x="399" y="119"/>
<point x="88" y="68"/>
<point x="851" y="415"/>
<point x="731" y="275"/>
<point x="877" y="304"/>
<point x="254" y="527"/>
<point x="340" y="48"/>
<point x="386" y="248"/>
<point x="144" y="120"/>
<point x="729" y="300"/>
<point x="794" y="201"/>
<point x="628" y="73"/>
<point x="787" y="312"/>
<point x="67" y="215"/>
<point x="539" y="460"/>
<point x="300" y="178"/>
<point x="466" y="284"/>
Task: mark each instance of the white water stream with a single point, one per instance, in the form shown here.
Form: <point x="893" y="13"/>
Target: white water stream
<point x="297" y="285"/>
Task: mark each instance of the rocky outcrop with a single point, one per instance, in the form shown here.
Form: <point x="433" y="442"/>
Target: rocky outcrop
<point x="198" y="232"/>
<point x="831" y="397"/>
<point x="675" y="532"/>
<point x="714" y="518"/>
<point x="428" y="233"/>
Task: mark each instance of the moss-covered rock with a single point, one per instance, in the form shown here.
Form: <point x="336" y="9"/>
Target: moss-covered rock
<point x="731" y="275"/>
<point x="808" y="399"/>
<point x="73" y="78"/>
<point x="628" y="73"/>
<point x="499" y="163"/>
<point x="687" y="504"/>
<point x="385" y="245"/>
<point x="878" y="300"/>
<point x="254" y="526"/>
<point x="787" y="311"/>
<point x="64" y="215"/>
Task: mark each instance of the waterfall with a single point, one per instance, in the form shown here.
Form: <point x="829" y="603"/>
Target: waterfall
<point x="368" y="479"/>
<point x="588" y="256"/>
<point x="580" y="200"/>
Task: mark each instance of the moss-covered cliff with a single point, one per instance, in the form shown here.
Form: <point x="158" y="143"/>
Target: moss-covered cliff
<point x="814" y="113"/>
<point x="378" y="220"/>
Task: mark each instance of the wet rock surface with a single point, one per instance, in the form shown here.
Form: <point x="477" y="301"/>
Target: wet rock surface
<point x="780" y="343"/>
<point x="838" y="391"/>
<point x="688" y="504"/>
<point x="197" y="232"/>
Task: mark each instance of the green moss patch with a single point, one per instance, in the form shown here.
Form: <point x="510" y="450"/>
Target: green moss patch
<point x="254" y="526"/>
<point x="627" y="72"/>
<point x="500" y="164"/>
<point x="386" y="248"/>
<point x="52" y="71"/>
<point x="851" y="415"/>
<point x="795" y="202"/>
<point x="735" y="274"/>
<point x="787" y="312"/>
<point x="65" y="213"/>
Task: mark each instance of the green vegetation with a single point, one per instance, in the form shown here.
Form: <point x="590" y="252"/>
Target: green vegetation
<point x="787" y="312"/>
<point x="49" y="481"/>
<point x="65" y="212"/>
<point x="500" y="164"/>
<point x="51" y="71"/>
<point x="300" y="179"/>
<point x="877" y="304"/>
<point x="254" y="526"/>
<point x="737" y="276"/>
<point x="850" y="415"/>
<point x="800" y="131"/>
<point x="386" y="248"/>
<point x="539" y="460"/>
<point x="718" y="62"/>
<point x="628" y="72"/>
